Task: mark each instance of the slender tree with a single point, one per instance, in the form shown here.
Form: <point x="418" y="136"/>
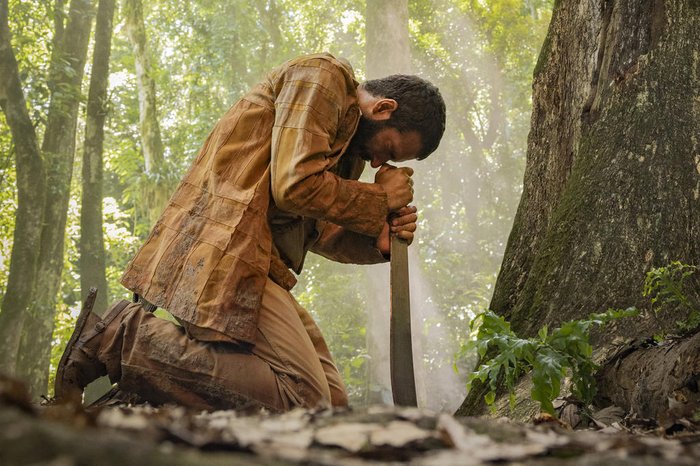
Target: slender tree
<point x="92" y="250"/>
<point x="58" y="148"/>
<point x="151" y="143"/>
<point x="30" y="201"/>
<point x="611" y="186"/>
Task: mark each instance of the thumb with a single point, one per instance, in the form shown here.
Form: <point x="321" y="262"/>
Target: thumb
<point x="384" y="168"/>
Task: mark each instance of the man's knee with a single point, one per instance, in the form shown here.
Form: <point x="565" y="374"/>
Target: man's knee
<point x="339" y="398"/>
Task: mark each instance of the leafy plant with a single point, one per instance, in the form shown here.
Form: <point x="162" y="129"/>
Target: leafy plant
<point x="670" y="285"/>
<point x="550" y="356"/>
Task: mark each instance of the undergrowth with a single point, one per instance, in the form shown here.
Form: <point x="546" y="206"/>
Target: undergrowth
<point x="566" y="351"/>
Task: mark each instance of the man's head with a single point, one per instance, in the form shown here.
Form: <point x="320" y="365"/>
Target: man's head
<point x="403" y="118"/>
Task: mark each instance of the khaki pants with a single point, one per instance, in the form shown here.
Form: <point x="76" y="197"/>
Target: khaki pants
<point x="290" y="364"/>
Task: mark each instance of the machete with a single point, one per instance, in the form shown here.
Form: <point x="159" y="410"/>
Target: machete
<point x="403" y="384"/>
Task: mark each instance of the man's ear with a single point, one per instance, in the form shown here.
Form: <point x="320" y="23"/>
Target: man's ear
<point x="383" y="108"/>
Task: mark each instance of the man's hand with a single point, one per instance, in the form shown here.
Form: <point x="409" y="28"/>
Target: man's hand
<point x="397" y="184"/>
<point x="402" y="223"/>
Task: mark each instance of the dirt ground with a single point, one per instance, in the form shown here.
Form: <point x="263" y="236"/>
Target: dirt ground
<point x="127" y="434"/>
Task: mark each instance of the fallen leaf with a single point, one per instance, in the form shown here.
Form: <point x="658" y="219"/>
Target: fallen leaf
<point x="607" y="416"/>
<point x="116" y="418"/>
<point x="459" y="436"/>
<point x="350" y="436"/>
<point x="398" y="434"/>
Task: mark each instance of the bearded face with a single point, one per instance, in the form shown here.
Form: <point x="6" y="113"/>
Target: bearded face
<point x="366" y="130"/>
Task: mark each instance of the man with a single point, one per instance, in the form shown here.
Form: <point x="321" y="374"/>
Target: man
<point x="276" y="177"/>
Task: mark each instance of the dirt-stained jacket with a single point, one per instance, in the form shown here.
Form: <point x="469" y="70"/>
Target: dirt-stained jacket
<point x="268" y="185"/>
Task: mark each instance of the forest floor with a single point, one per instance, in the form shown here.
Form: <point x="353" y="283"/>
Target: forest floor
<point x="124" y="434"/>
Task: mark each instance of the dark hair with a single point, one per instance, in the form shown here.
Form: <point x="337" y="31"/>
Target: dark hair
<point x="421" y="107"/>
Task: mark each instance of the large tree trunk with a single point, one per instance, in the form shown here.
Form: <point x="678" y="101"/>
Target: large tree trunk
<point x="387" y="40"/>
<point x="68" y="64"/>
<point x="92" y="250"/>
<point x="151" y="143"/>
<point x="612" y="183"/>
<point x="30" y="201"/>
<point x="387" y="52"/>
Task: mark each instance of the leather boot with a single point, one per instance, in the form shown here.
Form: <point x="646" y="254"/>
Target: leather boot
<point x="79" y="364"/>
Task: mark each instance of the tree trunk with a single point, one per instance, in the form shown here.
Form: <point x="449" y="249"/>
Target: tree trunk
<point x="387" y="47"/>
<point x="151" y="143"/>
<point x="657" y="382"/>
<point x="92" y="250"/>
<point x="612" y="182"/>
<point x="68" y="64"/>
<point x="30" y="201"/>
<point x="387" y="53"/>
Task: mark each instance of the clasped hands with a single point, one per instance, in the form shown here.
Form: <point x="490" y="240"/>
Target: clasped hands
<point x="398" y="184"/>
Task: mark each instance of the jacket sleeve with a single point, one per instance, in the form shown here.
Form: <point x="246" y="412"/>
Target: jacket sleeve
<point x="342" y="245"/>
<point x="310" y="107"/>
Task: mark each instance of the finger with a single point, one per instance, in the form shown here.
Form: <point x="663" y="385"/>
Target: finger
<point x="404" y="220"/>
<point x="406" y="236"/>
<point x="401" y="228"/>
<point x="406" y="210"/>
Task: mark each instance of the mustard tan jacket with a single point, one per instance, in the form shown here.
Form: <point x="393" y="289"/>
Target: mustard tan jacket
<point x="270" y="183"/>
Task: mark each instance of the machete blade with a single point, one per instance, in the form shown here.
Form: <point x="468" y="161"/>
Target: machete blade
<point x="403" y="384"/>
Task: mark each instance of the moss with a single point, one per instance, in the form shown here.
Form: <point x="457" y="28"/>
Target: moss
<point x="570" y="215"/>
<point x="506" y="283"/>
<point x="544" y="52"/>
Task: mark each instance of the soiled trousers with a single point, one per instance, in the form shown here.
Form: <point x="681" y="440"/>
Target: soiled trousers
<point x="289" y="365"/>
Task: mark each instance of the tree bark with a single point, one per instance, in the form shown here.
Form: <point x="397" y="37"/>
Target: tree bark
<point x="30" y="201"/>
<point x="657" y="382"/>
<point x="92" y="250"/>
<point x="151" y="142"/>
<point x="612" y="182"/>
<point x="58" y="148"/>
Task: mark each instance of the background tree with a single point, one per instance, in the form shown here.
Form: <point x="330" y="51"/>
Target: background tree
<point x="65" y="75"/>
<point x="58" y="148"/>
<point x="92" y="250"/>
<point x="611" y="184"/>
<point x="29" y="168"/>
<point x="153" y="183"/>
<point x="151" y="143"/>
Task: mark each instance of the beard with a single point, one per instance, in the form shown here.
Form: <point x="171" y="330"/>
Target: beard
<point x="366" y="130"/>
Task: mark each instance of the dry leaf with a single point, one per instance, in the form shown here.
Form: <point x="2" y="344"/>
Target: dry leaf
<point x="351" y="436"/>
<point x="398" y="434"/>
<point x="609" y="415"/>
<point x="116" y="418"/>
<point x="461" y="437"/>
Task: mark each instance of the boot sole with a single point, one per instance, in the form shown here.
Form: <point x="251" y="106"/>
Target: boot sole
<point x="59" y="390"/>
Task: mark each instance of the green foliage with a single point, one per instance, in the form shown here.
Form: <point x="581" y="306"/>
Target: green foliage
<point x="550" y="356"/>
<point x="672" y="285"/>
